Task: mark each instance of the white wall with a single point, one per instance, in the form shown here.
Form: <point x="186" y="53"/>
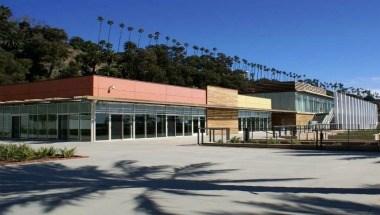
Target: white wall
<point x="353" y="113"/>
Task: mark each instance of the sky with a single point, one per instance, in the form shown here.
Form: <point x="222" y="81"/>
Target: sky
<point x="332" y="40"/>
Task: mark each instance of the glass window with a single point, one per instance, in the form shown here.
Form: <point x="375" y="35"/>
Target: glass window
<point x="52" y="126"/>
<point x="116" y="126"/>
<point x="188" y="125"/>
<point x="33" y="132"/>
<point x="85" y="127"/>
<point x="1" y="123"/>
<point x="151" y="125"/>
<point x="195" y="124"/>
<point x="101" y="126"/>
<point x="127" y="126"/>
<point x="202" y="122"/>
<point x="171" y="125"/>
<point x="74" y="127"/>
<point x="179" y="126"/>
<point x="41" y="125"/>
<point x="139" y="126"/>
<point x="161" y="125"/>
<point x="24" y="126"/>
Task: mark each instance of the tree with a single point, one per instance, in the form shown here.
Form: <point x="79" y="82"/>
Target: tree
<point x="130" y="29"/>
<point x="140" y="31"/>
<point x="100" y="20"/>
<point x="110" y="23"/>
<point x="121" y="26"/>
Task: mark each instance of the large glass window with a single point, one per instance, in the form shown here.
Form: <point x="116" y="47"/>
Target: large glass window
<point x="140" y="126"/>
<point x="85" y="127"/>
<point x="187" y="124"/>
<point x="101" y="126"/>
<point x="179" y="126"/>
<point x="33" y="132"/>
<point x="52" y="126"/>
<point x="24" y="126"/>
<point x="127" y="126"/>
<point x="171" y="125"/>
<point x="150" y="125"/>
<point x="161" y="125"/>
<point x="202" y="122"/>
<point x="116" y="126"/>
<point x="195" y="124"/>
<point x="74" y="127"/>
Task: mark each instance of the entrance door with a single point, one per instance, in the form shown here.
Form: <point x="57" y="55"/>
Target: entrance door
<point x="116" y="126"/>
<point x="171" y="125"/>
<point x="63" y="127"/>
<point x="15" y="126"/>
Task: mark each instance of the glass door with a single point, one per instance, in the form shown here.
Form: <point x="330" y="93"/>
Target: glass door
<point x="171" y="126"/>
<point x="116" y="126"/>
<point x="15" y="126"/>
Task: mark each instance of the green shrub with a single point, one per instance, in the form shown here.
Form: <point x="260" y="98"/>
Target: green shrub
<point x="15" y="152"/>
<point x="67" y="153"/>
<point x="44" y="152"/>
<point x="235" y="139"/>
<point x="22" y="152"/>
<point x="272" y="141"/>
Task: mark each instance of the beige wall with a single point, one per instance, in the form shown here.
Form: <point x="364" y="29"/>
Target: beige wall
<point x="254" y="102"/>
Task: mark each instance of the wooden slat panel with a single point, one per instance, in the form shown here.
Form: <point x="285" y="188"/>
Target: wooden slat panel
<point x="222" y="96"/>
<point x="223" y="118"/>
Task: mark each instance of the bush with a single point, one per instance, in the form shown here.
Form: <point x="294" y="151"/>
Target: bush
<point x="67" y="153"/>
<point x="23" y="152"/>
<point x="235" y="139"/>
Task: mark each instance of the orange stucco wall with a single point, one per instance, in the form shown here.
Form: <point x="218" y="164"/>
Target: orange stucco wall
<point x="107" y="87"/>
<point x="99" y="86"/>
<point x="64" y="88"/>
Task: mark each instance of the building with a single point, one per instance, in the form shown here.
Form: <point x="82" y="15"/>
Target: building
<point x="351" y="112"/>
<point x="97" y="108"/>
<point x="295" y="103"/>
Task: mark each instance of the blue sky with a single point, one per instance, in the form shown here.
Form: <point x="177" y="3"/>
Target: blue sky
<point x="333" y="40"/>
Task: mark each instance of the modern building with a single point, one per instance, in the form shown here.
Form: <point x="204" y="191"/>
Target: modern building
<point x="351" y="112"/>
<point x="97" y="108"/>
<point x="295" y="103"/>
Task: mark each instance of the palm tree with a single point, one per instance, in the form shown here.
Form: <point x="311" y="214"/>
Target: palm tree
<point x="150" y="36"/>
<point x="121" y="26"/>
<point x="156" y="36"/>
<point x="140" y="31"/>
<point x="167" y="38"/>
<point x="110" y="23"/>
<point x="100" y="20"/>
<point x="130" y="29"/>
<point x="186" y="45"/>
<point x="202" y="49"/>
<point x="174" y="41"/>
<point x="195" y="48"/>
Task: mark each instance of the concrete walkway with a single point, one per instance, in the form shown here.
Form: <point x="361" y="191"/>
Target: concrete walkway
<point x="176" y="176"/>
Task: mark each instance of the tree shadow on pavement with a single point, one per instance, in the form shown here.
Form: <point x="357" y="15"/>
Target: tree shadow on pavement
<point x="343" y="155"/>
<point x="52" y="185"/>
<point x="294" y="204"/>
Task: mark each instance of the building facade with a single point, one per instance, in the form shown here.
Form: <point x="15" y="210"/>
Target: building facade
<point x="353" y="113"/>
<point x="96" y="108"/>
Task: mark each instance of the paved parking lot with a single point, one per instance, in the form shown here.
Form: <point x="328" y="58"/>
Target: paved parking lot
<point x="176" y="176"/>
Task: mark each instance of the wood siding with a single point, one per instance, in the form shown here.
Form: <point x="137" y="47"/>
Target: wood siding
<point x="223" y="118"/>
<point x="222" y="96"/>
